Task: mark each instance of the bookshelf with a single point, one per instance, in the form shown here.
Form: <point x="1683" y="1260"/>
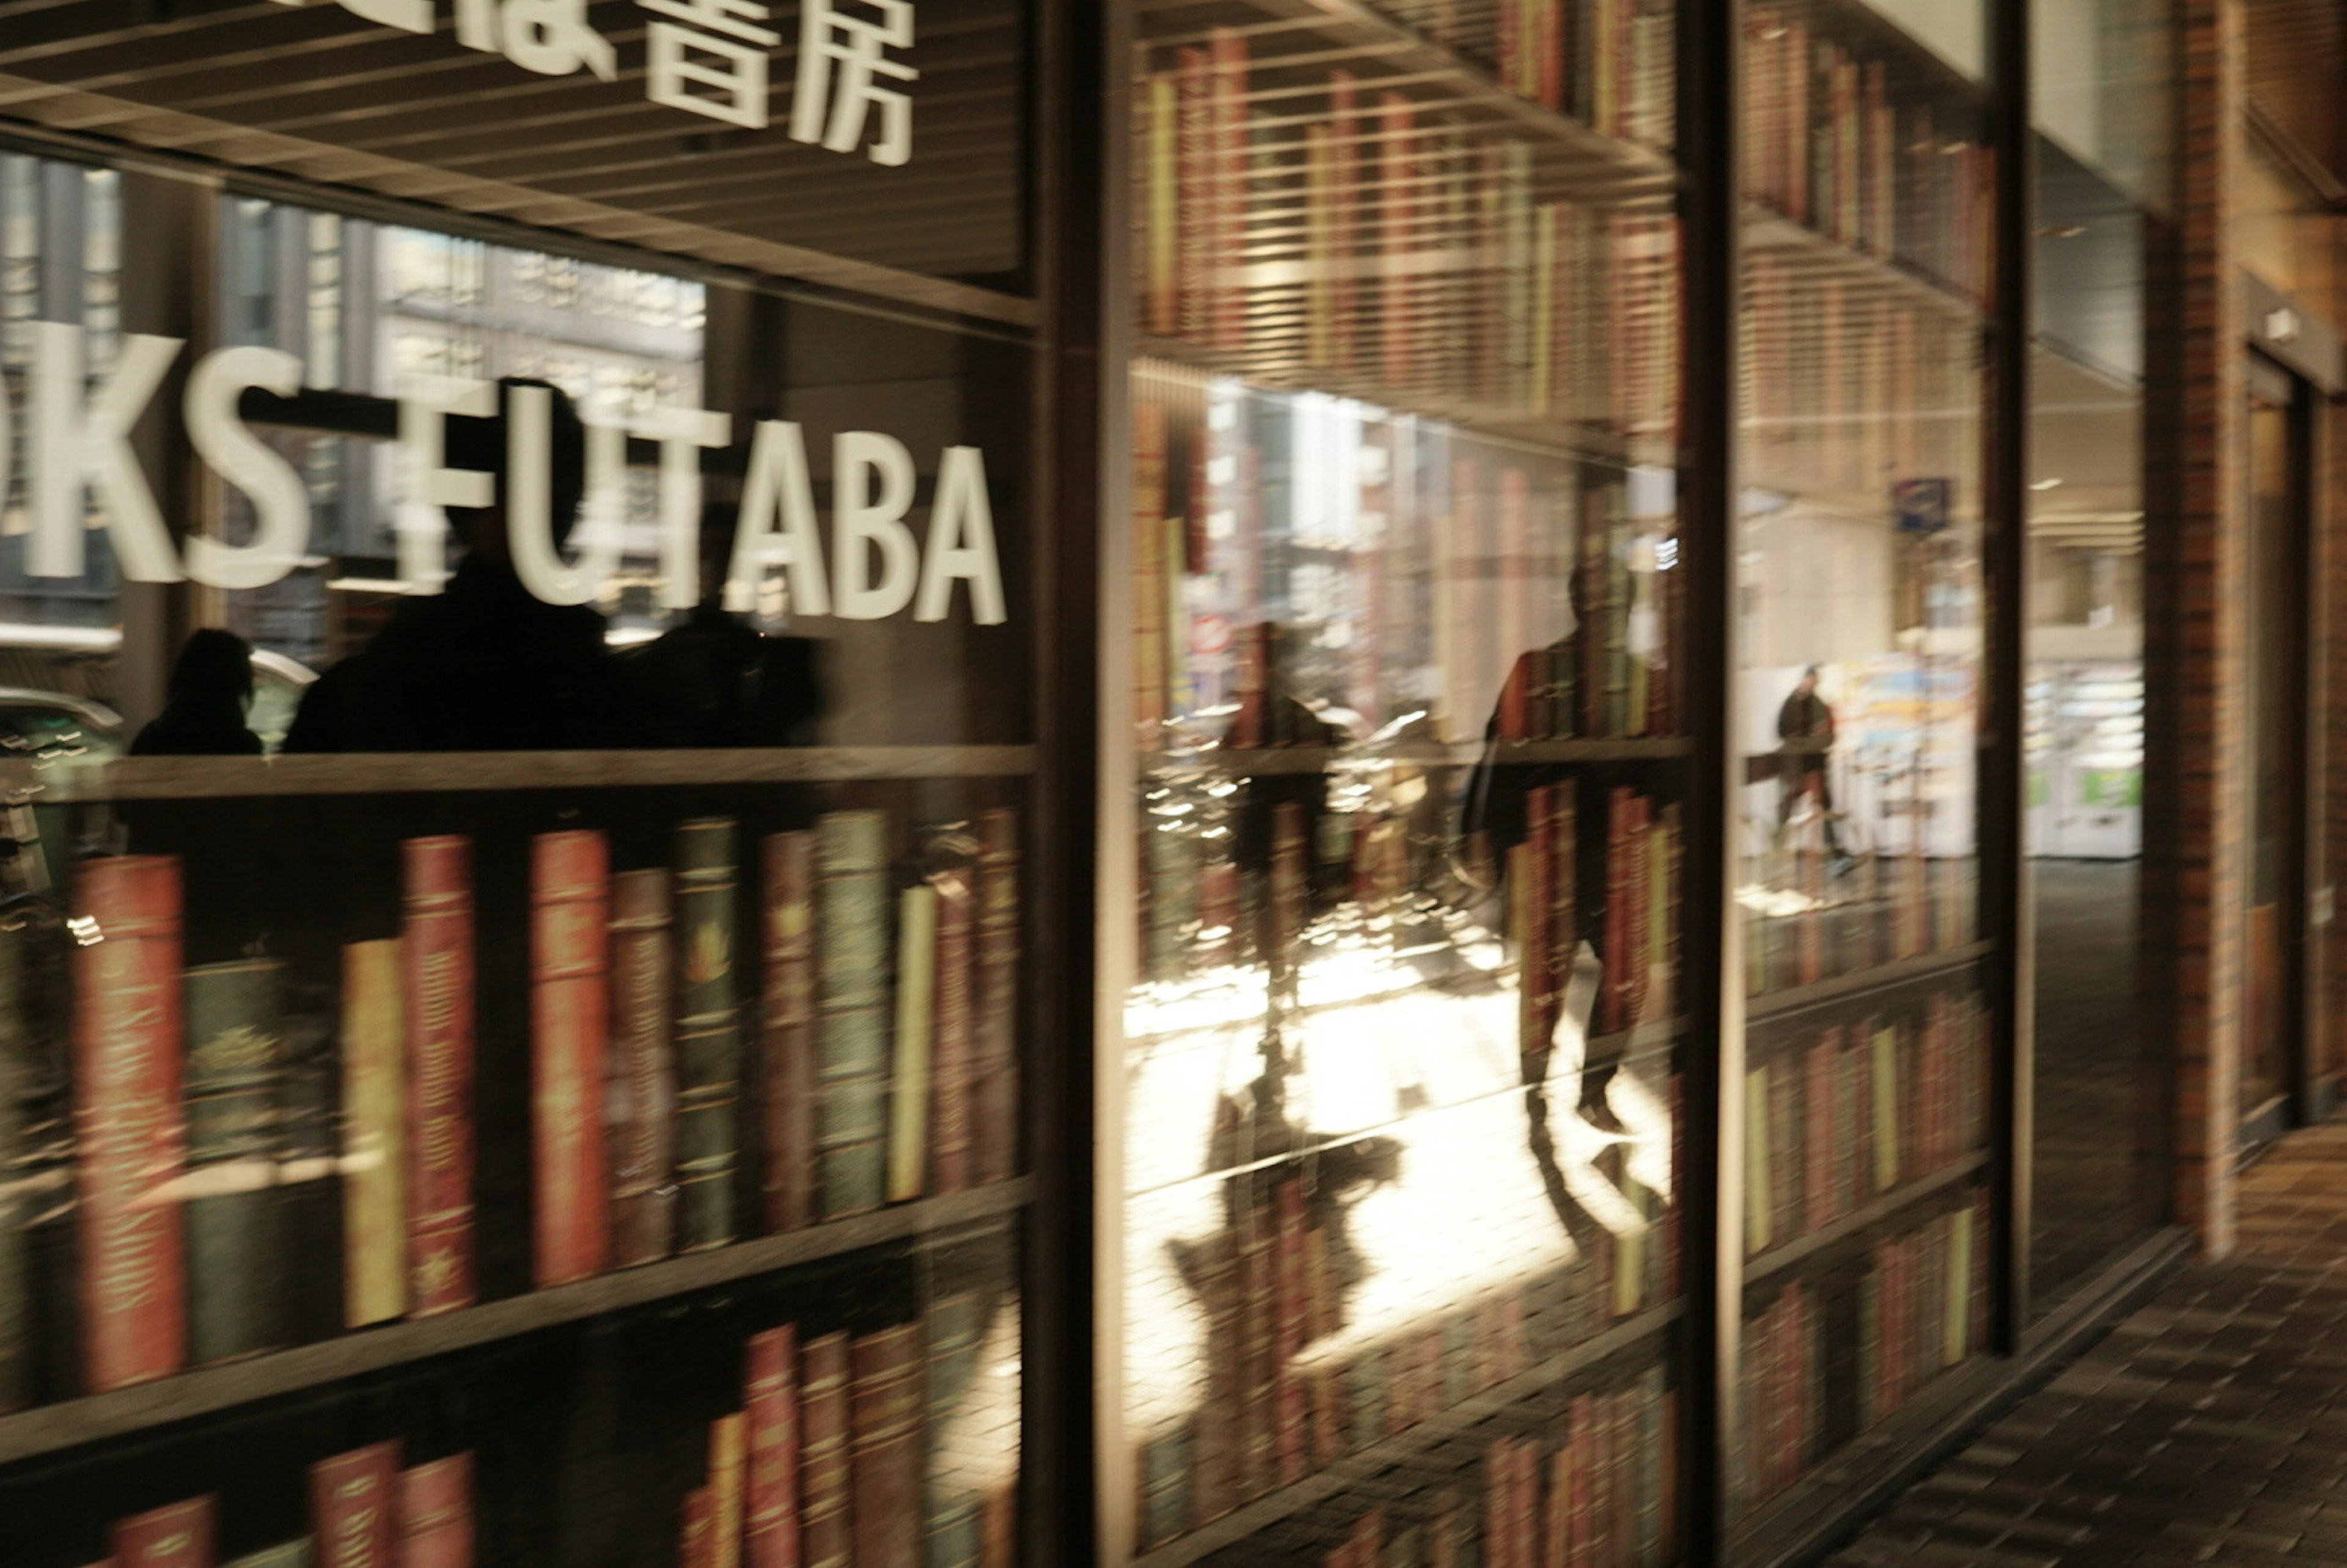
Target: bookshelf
<point x="48" y="1430"/>
<point x="1399" y="1462"/>
<point x="91" y="779"/>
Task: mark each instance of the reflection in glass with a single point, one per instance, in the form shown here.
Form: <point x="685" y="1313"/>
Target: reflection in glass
<point x="2102" y="110"/>
<point x="1857" y="653"/>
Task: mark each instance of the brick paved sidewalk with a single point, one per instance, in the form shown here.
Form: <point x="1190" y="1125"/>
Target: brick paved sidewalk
<point x="2208" y="1426"/>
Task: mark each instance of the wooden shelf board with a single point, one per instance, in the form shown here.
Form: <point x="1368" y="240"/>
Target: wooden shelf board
<point x="405" y="773"/>
<point x="69" y="1423"/>
<point x="1865" y="982"/>
<point x="1775" y="1260"/>
<point x="1407" y="1444"/>
<point x="1267" y="762"/>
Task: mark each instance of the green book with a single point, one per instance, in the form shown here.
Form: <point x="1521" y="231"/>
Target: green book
<point x="951" y="1509"/>
<point x="1886" y="1108"/>
<point x="851" y="1036"/>
<point x="708" y="1033"/>
<point x="234" y="1085"/>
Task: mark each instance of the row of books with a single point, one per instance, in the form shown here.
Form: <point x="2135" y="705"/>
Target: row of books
<point x="1597" y="1485"/>
<point x="1845" y="390"/>
<point x="1859" y="1110"/>
<point x="833" y="1458"/>
<point x="1815" y="920"/>
<point x="1421" y="264"/>
<point x="366" y="1511"/>
<point x="1276" y="1403"/>
<point x="1919" y="1307"/>
<point x="858" y="1069"/>
<point x="1840" y="139"/>
<point x="1605" y="62"/>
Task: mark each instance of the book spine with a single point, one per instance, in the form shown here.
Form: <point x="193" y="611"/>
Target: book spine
<point x="640" y="1100"/>
<point x="788" y="1050"/>
<point x="436" y="1513"/>
<point x="127" y="1122"/>
<point x="354" y="1507"/>
<point x="951" y="1041"/>
<point x="696" y="1530"/>
<point x="375" y="1135"/>
<point x="908" y="1098"/>
<point x="994" y="1062"/>
<point x="727" y="1444"/>
<point x="823" y="1535"/>
<point x="885" y="1466"/>
<point x="1288" y="1415"/>
<point x="569" y="958"/>
<point x="438" y="1015"/>
<point x="851" y="1097"/>
<point x="950" y="1509"/>
<point x="771" y="1493"/>
<point x="708" y="1034"/>
<point x="235" y="1231"/>
<point x="177" y="1535"/>
<point x="1161" y="208"/>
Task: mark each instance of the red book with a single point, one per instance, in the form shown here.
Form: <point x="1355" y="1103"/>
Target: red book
<point x="1398" y="134"/>
<point x="353" y="1505"/>
<point x="1537" y="974"/>
<point x="1499" y="1492"/>
<point x="772" y="1496"/>
<point x="641" y="1103"/>
<point x="1816" y="1132"/>
<point x="884" y="1467"/>
<point x="696" y="1545"/>
<point x="1193" y="172"/>
<point x="1582" y="1450"/>
<point x="179" y="1536"/>
<point x="1524" y="1503"/>
<point x="571" y="1032"/>
<point x="438" y="955"/>
<point x="994" y="1056"/>
<point x="129" y="1125"/>
<point x="787" y="1040"/>
<point x="950" y="1039"/>
<point x="1228" y="49"/>
<point x="824" y="1540"/>
<point x="435" y="1514"/>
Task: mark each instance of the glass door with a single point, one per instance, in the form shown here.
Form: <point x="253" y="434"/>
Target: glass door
<point x="2273" y="959"/>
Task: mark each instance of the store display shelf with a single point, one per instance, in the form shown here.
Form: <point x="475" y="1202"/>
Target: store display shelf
<point x="70" y="1423"/>
<point x="1801" y="249"/>
<point x="1389" y="54"/>
<point x="1278" y="364"/>
<point x="1279" y="761"/>
<point x="1777" y="1259"/>
<point x="1866" y="982"/>
<point x="1353" y="1472"/>
<point x="85" y="778"/>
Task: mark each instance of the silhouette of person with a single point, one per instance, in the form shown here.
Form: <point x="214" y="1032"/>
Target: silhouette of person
<point x="712" y="680"/>
<point x="485" y="664"/>
<point x="1804" y="727"/>
<point x="211" y="688"/>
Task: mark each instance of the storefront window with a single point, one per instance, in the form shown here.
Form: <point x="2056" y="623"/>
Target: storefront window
<point x="1401" y="1067"/>
<point x="2101" y="98"/>
<point x="1859" y="671"/>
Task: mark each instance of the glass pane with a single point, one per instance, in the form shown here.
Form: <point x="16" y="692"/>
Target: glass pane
<point x="2095" y="1149"/>
<point x="627" y="936"/>
<point x="1858" y="660"/>
<point x="1402" y="1053"/>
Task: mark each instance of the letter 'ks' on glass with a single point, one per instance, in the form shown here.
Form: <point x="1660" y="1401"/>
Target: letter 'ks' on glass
<point x="839" y="56"/>
<point x="714" y="64"/>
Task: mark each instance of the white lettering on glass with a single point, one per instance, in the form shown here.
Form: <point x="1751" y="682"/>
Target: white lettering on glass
<point x="550" y="37"/>
<point x="711" y="59"/>
<point x="961" y="542"/>
<point x="280" y="507"/>
<point x="776" y="490"/>
<point x="76" y="442"/>
<point x="841" y="59"/>
<point x="867" y="522"/>
<point x="424" y="484"/>
<point x="530" y="509"/>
